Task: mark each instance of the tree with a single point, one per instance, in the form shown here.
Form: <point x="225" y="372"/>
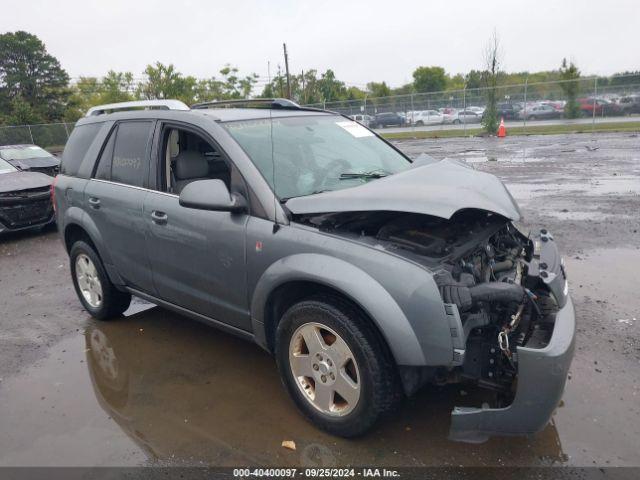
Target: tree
<point x="626" y="78"/>
<point x="570" y="76"/>
<point x="234" y="86"/>
<point x="378" y="89"/>
<point x="429" y="79"/>
<point x="90" y="91"/>
<point x="475" y="79"/>
<point x="117" y="87"/>
<point x="330" y="88"/>
<point x="21" y="113"/>
<point x="492" y="61"/>
<point x="164" y="82"/>
<point x="28" y="74"/>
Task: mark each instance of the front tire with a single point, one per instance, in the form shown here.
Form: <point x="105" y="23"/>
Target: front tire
<point x="94" y="289"/>
<point x="334" y="366"/>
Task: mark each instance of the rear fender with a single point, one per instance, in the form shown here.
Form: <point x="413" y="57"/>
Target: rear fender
<point x="76" y="216"/>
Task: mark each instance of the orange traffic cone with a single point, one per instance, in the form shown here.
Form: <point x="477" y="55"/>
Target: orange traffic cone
<point x="502" y="131"/>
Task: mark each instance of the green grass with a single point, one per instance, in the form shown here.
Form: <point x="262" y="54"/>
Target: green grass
<point x="633" y="126"/>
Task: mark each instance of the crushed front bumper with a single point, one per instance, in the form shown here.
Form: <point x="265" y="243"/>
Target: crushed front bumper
<point x="542" y="374"/>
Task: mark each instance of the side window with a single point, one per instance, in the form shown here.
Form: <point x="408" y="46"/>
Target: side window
<point x="130" y="153"/>
<point x="77" y="146"/>
<point x="103" y="171"/>
<point x="186" y="156"/>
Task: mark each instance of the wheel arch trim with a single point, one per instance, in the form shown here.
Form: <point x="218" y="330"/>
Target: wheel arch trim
<point x="75" y="217"/>
<point x="349" y="281"/>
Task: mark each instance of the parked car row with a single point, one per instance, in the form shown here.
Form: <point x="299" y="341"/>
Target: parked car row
<point x="531" y="111"/>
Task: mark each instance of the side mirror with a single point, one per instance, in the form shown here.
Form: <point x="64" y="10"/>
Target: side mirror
<point x="211" y="195"/>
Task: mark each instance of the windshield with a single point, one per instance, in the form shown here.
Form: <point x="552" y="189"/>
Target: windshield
<point x="23" y="153"/>
<point x="313" y="154"/>
<point x="6" y="167"/>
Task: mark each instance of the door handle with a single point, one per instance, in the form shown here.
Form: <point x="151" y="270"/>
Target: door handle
<point x="94" y="202"/>
<point x="159" y="218"/>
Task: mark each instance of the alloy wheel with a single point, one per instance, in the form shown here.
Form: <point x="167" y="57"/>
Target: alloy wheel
<point x="324" y="369"/>
<point x="88" y="281"/>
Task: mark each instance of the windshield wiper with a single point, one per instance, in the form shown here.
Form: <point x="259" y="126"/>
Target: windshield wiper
<point x="315" y="192"/>
<point x="365" y="175"/>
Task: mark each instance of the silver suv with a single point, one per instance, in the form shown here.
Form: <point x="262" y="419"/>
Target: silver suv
<point x="367" y="275"/>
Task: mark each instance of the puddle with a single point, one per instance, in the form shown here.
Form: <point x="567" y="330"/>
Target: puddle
<point x="616" y="185"/>
<point x="158" y="388"/>
<point x="490" y="158"/>
<point x="582" y="215"/>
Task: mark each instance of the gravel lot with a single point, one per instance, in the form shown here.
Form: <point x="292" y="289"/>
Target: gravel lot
<point x="157" y="388"/>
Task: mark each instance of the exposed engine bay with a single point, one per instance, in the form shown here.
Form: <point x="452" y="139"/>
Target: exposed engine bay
<point x="498" y="290"/>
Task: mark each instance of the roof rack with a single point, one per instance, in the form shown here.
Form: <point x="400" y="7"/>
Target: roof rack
<point x="147" y="104"/>
<point x="282" y="103"/>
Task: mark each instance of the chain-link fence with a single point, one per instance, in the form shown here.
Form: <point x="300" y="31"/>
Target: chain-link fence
<point x="52" y="136"/>
<point x="615" y="99"/>
<point x="596" y="100"/>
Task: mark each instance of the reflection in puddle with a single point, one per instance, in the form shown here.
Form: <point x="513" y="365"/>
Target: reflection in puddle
<point x="186" y="393"/>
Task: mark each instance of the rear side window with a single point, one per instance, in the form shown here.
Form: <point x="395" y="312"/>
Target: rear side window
<point x="103" y="171"/>
<point x="130" y="153"/>
<point x="77" y="146"/>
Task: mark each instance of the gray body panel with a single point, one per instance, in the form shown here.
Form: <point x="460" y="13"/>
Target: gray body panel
<point x="439" y="189"/>
<point x="222" y="267"/>
<point x="116" y="211"/>
<point x="542" y="374"/>
<point x="198" y="259"/>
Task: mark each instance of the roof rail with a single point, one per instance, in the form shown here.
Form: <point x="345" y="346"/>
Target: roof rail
<point x="147" y="104"/>
<point x="251" y="103"/>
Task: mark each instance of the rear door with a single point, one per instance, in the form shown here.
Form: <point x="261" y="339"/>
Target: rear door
<point x="114" y="198"/>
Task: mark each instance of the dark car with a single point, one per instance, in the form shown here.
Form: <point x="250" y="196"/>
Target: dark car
<point x="508" y="111"/>
<point x="31" y="158"/>
<point x="387" y="119"/>
<point x="25" y="200"/>
<point x="630" y="104"/>
<point x="365" y="274"/>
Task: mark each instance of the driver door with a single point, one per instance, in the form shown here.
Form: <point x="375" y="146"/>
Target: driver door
<point x="197" y="257"/>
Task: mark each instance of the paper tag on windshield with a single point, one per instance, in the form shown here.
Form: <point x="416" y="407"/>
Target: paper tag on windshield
<point x="355" y="129"/>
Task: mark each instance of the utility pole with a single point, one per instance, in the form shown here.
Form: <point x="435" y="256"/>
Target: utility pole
<point x="286" y="66"/>
<point x="304" y="92"/>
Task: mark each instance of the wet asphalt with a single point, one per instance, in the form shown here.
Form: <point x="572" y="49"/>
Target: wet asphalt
<point x="155" y="388"/>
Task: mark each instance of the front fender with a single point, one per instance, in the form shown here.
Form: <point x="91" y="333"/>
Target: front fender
<point x="354" y="283"/>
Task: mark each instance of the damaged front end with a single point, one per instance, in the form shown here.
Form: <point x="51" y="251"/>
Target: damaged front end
<point x="505" y="297"/>
<point x="510" y="297"/>
<point x="25" y="209"/>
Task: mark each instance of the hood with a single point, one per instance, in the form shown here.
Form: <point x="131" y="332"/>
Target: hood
<point x="439" y="189"/>
<point x="16" y="181"/>
<point x="27" y="163"/>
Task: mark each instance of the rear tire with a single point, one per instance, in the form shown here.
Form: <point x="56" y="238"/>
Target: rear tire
<point x="97" y="294"/>
<point x="313" y="339"/>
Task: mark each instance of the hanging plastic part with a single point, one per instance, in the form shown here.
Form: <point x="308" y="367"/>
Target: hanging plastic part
<point x="503" y="342"/>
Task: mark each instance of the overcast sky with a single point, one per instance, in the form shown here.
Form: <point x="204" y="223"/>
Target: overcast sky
<point x="360" y="40"/>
